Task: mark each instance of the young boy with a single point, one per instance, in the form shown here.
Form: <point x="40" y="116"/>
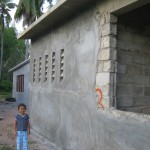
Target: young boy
<point x="22" y="128"/>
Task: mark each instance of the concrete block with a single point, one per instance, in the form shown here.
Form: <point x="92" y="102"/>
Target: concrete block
<point x="106" y="101"/>
<point x="146" y="30"/>
<point x="105" y="89"/>
<point x="113" y="42"/>
<point x="105" y="42"/>
<point x="112" y="90"/>
<point x="125" y="79"/>
<point x="113" y="18"/>
<point x="121" y="27"/>
<point x="100" y="66"/>
<point x="124" y="90"/>
<point x="121" y="45"/>
<point x="113" y="54"/>
<point x="105" y="95"/>
<point x="146" y="110"/>
<point x="138" y="90"/>
<point x="129" y="46"/>
<point x="108" y="41"/>
<point x="146" y="91"/>
<point x="108" y="29"/>
<point x="124" y="101"/>
<point x="126" y="36"/>
<point x="134" y="109"/>
<point x="139" y="59"/>
<point x="141" y="101"/>
<point x="147" y="59"/>
<point x="109" y="66"/>
<point x="145" y="70"/>
<point x="141" y="80"/>
<point x="112" y="78"/>
<point x="106" y="17"/>
<point x="125" y="57"/>
<point x="102" y="78"/>
<point x="121" y="68"/>
<point x="104" y="54"/>
<point x="107" y="53"/>
<point x="134" y="69"/>
<point x="130" y="79"/>
<point x="105" y="29"/>
<point x="141" y="38"/>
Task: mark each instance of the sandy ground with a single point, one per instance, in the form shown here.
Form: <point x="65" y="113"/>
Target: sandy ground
<point x="7" y="138"/>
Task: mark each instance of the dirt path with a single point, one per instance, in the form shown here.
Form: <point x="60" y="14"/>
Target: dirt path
<point x="7" y="139"/>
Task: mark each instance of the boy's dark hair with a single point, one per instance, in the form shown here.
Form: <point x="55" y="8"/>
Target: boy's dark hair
<point x="21" y="105"/>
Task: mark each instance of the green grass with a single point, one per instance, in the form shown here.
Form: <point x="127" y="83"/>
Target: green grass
<point x="4" y="95"/>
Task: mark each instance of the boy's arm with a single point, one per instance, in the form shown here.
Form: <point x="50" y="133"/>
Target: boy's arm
<point x="15" y="126"/>
<point x="28" y="126"/>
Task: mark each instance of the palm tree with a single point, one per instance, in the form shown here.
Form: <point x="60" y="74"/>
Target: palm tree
<point x="5" y="6"/>
<point x="51" y="2"/>
<point x="29" y="11"/>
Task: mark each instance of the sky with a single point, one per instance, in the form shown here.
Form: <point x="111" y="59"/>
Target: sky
<point x="18" y="25"/>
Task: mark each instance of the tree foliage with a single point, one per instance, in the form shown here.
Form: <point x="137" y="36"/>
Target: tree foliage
<point x="5" y="7"/>
<point x="14" y="53"/>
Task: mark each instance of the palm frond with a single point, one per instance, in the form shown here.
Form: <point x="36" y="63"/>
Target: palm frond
<point x="20" y="10"/>
<point x="29" y="10"/>
<point x="11" y="5"/>
<point x="8" y="19"/>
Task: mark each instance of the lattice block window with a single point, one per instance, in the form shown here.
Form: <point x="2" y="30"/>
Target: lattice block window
<point x="61" y="64"/>
<point x="53" y="66"/>
<point x="34" y="68"/>
<point x="40" y="68"/>
<point x="46" y="67"/>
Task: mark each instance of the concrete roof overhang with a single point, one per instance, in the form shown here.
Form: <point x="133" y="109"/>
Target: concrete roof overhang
<point x="57" y="14"/>
<point x="66" y="9"/>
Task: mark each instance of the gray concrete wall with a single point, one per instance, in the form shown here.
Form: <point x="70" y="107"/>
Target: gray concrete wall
<point x="66" y="112"/>
<point x="133" y="81"/>
<point x="22" y="97"/>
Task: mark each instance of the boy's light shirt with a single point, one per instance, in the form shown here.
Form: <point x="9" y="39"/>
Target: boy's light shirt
<point x="22" y="115"/>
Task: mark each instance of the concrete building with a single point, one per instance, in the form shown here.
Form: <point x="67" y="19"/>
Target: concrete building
<point x="90" y="60"/>
<point x="21" y="82"/>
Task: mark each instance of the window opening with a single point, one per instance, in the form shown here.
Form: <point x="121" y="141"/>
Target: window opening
<point x="20" y="83"/>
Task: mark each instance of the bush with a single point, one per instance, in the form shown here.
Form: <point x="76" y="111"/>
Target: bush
<point x="5" y="85"/>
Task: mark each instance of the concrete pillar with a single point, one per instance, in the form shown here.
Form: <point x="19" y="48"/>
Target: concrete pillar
<point x="107" y="64"/>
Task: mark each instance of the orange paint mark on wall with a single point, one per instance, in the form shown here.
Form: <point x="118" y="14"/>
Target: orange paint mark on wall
<point x="99" y="92"/>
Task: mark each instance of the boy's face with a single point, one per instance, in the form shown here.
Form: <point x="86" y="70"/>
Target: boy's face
<point x="22" y="110"/>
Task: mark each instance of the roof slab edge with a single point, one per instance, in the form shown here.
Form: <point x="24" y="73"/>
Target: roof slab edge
<point x="60" y="11"/>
